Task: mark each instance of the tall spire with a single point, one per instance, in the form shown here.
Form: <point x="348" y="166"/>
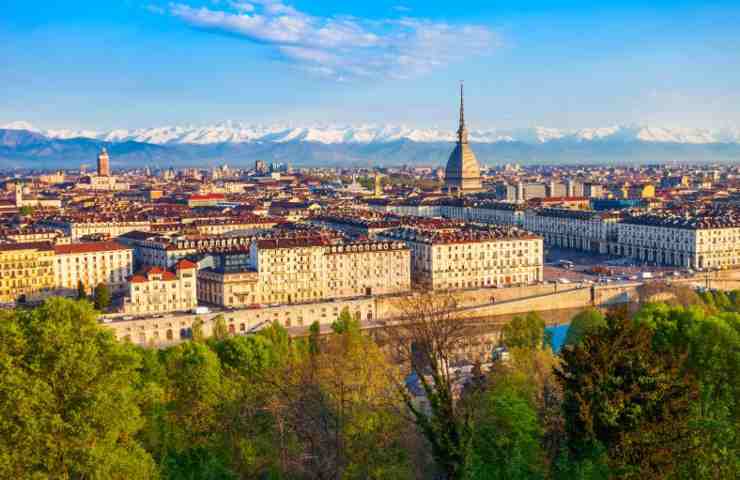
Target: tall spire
<point x="462" y="132"/>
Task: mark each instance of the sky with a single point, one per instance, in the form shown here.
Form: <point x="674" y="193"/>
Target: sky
<point x="109" y="64"/>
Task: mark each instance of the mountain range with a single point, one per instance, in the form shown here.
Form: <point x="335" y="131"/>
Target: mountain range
<point x="23" y="145"/>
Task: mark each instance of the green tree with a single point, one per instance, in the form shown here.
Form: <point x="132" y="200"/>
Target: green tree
<point x="525" y="332"/>
<point x="625" y="398"/>
<point x="220" y="331"/>
<point x="713" y="345"/>
<point x="584" y="323"/>
<point x="68" y="408"/>
<point x="198" y="335"/>
<point x="345" y="322"/>
<point x="101" y="297"/>
<point x="342" y="409"/>
<point x="194" y="392"/>
<point x="26" y="210"/>
<point x="507" y="440"/>
<point x="314" y="338"/>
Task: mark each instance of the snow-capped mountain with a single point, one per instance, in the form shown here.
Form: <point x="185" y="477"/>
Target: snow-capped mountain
<point x="238" y="132"/>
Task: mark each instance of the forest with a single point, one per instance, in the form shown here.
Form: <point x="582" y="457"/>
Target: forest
<point x="649" y="392"/>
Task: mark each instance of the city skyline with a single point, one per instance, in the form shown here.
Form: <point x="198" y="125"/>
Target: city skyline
<point x="147" y="64"/>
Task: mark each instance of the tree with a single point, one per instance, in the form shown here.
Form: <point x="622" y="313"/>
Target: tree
<point x="584" y="323"/>
<point x="101" y="297"/>
<point x="340" y="406"/>
<point x="220" y="331"/>
<point x="81" y="291"/>
<point x="25" y="210"/>
<point x="314" y="338"/>
<point x="194" y="391"/>
<point x="198" y="335"/>
<point x="68" y="408"/>
<point x="531" y="374"/>
<point x="506" y="444"/>
<point x="426" y="338"/>
<point x="625" y="397"/>
<point x="525" y="332"/>
<point x="713" y="345"/>
<point x="345" y="322"/>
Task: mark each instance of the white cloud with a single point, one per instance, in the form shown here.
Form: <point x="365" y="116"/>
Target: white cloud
<point x="243" y="7"/>
<point x="342" y="47"/>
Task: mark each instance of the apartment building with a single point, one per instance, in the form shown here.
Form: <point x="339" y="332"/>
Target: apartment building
<point x="472" y="257"/>
<point x="238" y="288"/>
<point x="93" y="263"/>
<point x="159" y="290"/>
<point x="706" y="240"/>
<point x="26" y="270"/>
<point x="367" y="268"/>
<point x="291" y="270"/>
<point x="578" y="229"/>
<point x="296" y="270"/>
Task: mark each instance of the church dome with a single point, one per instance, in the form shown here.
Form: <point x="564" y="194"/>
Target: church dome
<point x="462" y="174"/>
<point x="462" y="163"/>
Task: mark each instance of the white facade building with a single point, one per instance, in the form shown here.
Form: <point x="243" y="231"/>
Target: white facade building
<point x="109" y="263"/>
<point x="157" y="290"/>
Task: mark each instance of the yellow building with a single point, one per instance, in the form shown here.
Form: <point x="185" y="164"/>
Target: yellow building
<point x="26" y="270"/>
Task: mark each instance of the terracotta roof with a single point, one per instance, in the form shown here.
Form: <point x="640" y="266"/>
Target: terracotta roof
<point x="143" y="277"/>
<point x="88" y="247"/>
<point x="185" y="264"/>
<point x="26" y="246"/>
<point x="210" y="196"/>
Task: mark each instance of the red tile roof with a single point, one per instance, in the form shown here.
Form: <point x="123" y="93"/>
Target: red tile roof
<point x="209" y="196"/>
<point x="88" y="247"/>
<point x="185" y="264"/>
<point x="26" y="246"/>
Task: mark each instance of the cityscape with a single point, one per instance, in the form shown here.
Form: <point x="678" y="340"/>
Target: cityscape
<point x="309" y="299"/>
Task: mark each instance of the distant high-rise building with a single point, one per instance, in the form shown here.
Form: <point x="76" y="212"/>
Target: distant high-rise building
<point x="103" y="164"/>
<point x="462" y="174"/>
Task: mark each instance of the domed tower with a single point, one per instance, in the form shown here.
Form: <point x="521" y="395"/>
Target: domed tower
<point x="462" y="174"/>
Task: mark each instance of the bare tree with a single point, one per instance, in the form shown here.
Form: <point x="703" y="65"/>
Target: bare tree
<point x="426" y="337"/>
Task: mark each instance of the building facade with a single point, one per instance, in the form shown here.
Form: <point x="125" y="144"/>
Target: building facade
<point x="473" y="258"/>
<point x="310" y="269"/>
<point x="94" y="263"/>
<point x="707" y="241"/>
<point x="578" y="229"/>
<point x="26" y="271"/>
<point x="157" y="290"/>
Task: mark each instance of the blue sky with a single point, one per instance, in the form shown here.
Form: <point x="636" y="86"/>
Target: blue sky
<point x="127" y="64"/>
